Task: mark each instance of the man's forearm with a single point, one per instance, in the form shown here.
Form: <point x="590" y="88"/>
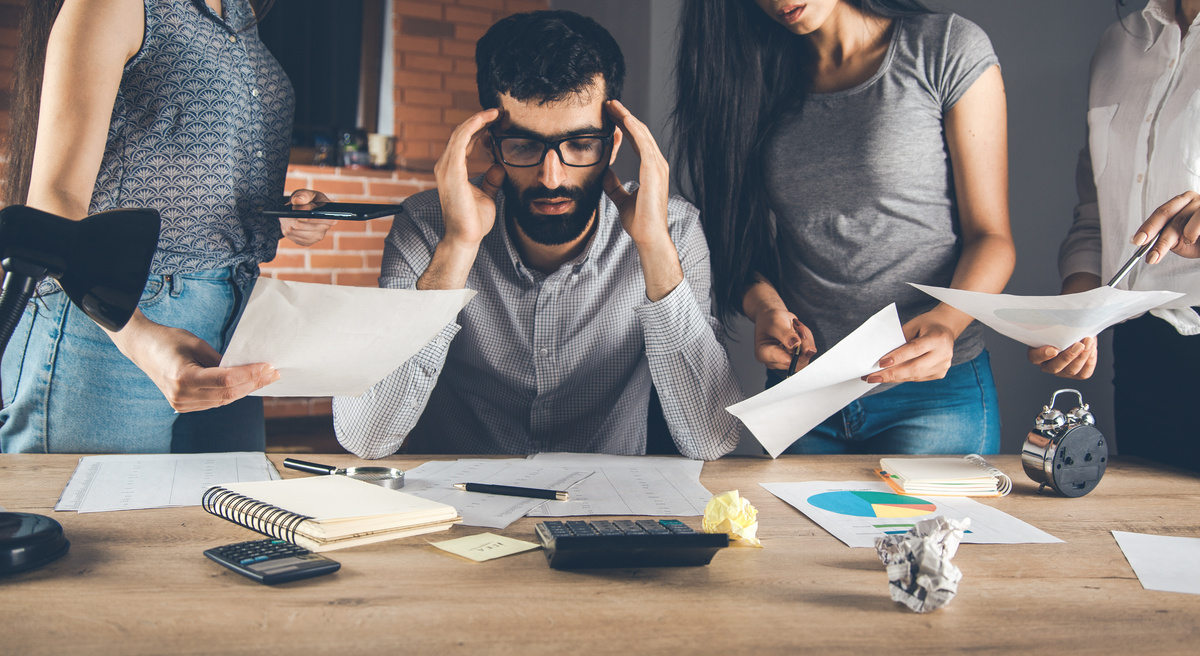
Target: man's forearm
<point x="450" y="266"/>
<point x="375" y="424"/>
<point x="691" y="371"/>
<point x="660" y="268"/>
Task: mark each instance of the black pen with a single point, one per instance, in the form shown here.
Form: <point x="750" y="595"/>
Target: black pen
<point x="795" y="360"/>
<point x="513" y="491"/>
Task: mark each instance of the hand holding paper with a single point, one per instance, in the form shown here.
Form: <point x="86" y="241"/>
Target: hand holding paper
<point x="326" y="340"/>
<point x="784" y="413"/>
<point x="1057" y="321"/>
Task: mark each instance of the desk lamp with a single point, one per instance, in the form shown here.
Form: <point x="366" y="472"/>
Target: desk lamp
<point x="102" y="263"/>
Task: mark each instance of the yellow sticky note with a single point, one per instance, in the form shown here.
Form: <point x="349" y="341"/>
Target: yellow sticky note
<point x="484" y="546"/>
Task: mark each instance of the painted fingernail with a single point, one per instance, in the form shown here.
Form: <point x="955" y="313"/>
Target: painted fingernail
<point x="874" y="379"/>
<point x="887" y="362"/>
<point x="810" y="351"/>
<point x="1139" y="239"/>
<point x="1154" y="257"/>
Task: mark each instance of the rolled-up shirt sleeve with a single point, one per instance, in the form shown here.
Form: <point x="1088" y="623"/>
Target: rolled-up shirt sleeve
<point x="688" y="361"/>
<point x="1080" y="251"/>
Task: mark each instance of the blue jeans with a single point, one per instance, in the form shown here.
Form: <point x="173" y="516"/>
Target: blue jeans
<point x="67" y="389"/>
<point x="957" y="414"/>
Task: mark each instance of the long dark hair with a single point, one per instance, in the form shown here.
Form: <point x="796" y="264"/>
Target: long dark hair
<point x="737" y="73"/>
<point x="26" y="97"/>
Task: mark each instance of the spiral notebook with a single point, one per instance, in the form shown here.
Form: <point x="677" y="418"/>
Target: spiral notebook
<point x="966" y="476"/>
<point x="322" y="513"/>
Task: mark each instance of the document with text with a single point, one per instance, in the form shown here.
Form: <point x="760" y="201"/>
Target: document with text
<point x="166" y="480"/>
<point x="435" y="481"/>
<point x="628" y="485"/>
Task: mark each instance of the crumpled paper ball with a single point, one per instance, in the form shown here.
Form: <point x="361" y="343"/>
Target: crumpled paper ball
<point x="729" y="513"/>
<point x="920" y="573"/>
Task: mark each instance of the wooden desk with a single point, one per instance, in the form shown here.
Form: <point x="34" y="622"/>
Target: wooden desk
<point x="136" y="582"/>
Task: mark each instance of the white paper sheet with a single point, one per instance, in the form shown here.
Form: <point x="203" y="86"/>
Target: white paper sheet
<point x="600" y="460"/>
<point x="783" y="414"/>
<point x="1163" y="562"/>
<point x="435" y="481"/>
<point x="1057" y="321"/>
<point x="667" y="491"/>
<point x="326" y="340"/>
<point x="168" y="480"/>
<point x="857" y="519"/>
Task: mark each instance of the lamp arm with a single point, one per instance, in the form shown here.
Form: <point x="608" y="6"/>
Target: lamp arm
<point x="18" y="289"/>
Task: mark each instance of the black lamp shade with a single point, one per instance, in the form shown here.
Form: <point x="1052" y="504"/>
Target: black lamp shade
<point x="102" y="262"/>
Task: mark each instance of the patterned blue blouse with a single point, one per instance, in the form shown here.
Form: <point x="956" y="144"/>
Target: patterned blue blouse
<point x="200" y="131"/>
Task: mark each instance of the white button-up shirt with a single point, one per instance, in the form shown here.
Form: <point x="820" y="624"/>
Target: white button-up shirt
<point x="1143" y="149"/>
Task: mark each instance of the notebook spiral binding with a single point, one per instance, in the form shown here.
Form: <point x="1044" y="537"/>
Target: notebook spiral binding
<point x="265" y="518"/>
<point x="1004" y="485"/>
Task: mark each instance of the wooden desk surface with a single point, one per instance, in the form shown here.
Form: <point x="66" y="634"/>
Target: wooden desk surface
<point x="136" y="582"/>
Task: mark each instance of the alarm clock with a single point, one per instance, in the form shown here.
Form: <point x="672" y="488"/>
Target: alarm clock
<point x="1064" y="451"/>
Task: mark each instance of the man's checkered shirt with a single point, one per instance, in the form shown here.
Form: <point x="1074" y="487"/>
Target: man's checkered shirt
<point x="558" y="362"/>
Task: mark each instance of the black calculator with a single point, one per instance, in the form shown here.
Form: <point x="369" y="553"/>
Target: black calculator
<point x="627" y="543"/>
<point x="272" y="561"/>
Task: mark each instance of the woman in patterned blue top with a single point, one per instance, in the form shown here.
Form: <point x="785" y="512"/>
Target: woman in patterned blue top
<point x="174" y="105"/>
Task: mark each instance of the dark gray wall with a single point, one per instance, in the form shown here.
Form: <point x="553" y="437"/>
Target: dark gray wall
<point x="1044" y="47"/>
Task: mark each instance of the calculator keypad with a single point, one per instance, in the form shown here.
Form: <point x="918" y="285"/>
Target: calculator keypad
<point x="272" y="561"/>
<point x="626" y="543"/>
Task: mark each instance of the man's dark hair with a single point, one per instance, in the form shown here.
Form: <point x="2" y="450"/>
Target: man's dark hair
<point x="546" y="56"/>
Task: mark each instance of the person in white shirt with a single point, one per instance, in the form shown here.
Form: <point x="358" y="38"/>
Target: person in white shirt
<point x="1142" y="160"/>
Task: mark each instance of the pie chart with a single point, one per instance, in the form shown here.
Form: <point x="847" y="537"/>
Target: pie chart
<point x="871" y="504"/>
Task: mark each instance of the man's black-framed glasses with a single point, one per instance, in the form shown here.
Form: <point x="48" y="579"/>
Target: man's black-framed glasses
<point x="524" y="152"/>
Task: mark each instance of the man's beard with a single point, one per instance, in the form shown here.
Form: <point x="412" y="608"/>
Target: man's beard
<point x="554" y="229"/>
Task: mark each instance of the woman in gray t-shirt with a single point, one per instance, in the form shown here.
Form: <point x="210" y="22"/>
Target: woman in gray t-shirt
<point x="839" y="150"/>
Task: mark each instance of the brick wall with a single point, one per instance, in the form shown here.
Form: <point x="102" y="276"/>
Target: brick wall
<point x="434" y="90"/>
<point x="435" y="69"/>
<point x="434" y="63"/>
<point x="10" y="22"/>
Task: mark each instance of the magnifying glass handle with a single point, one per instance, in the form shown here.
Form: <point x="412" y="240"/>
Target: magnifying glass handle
<point x="310" y="467"/>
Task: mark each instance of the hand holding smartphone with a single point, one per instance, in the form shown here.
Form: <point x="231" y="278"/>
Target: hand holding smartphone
<point x="331" y="210"/>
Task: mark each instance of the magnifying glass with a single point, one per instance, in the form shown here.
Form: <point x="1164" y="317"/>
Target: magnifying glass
<point x="382" y="476"/>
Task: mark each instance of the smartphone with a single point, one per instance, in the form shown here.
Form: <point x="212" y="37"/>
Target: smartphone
<point x="339" y="211"/>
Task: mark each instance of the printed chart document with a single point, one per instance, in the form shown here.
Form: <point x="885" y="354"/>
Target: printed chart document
<point x="1057" y="321"/>
<point x="628" y="485"/>
<point x="435" y="481"/>
<point x="326" y="340"/>
<point x="783" y="414"/>
<point x="1163" y="562"/>
<point x="166" y="480"/>
<point x="856" y="513"/>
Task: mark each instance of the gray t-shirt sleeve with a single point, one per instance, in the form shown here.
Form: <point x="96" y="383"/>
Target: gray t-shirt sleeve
<point x="861" y="184"/>
<point x="967" y="53"/>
